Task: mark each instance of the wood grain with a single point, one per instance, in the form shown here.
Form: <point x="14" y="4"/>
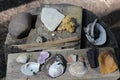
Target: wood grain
<point x="48" y="44"/>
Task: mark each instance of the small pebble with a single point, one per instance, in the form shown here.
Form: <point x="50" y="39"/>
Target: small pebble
<point x="43" y="56"/>
<point x="39" y="39"/>
<point x="23" y="58"/>
<point x="72" y="58"/>
<point x="53" y="34"/>
<point x="82" y="59"/>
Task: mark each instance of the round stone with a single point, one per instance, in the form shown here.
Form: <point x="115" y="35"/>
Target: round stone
<point x="23" y="58"/>
<point x="39" y="39"/>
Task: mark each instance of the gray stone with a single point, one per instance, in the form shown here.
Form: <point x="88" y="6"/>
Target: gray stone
<point x="51" y="18"/>
<point x="22" y="58"/>
<point x="20" y="25"/>
<point x="39" y="39"/>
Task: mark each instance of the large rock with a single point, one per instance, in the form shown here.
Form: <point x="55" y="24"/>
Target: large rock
<point x="20" y="25"/>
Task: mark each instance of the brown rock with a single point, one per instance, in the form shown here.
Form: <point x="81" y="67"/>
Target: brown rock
<point x="107" y="63"/>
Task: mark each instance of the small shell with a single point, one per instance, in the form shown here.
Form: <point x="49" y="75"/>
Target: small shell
<point x="77" y="69"/>
<point x="23" y="58"/>
<point x="39" y="39"/>
<point x="72" y="58"/>
<point x="30" y="68"/>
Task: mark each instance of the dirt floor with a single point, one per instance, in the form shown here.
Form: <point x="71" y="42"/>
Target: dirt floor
<point x="107" y="10"/>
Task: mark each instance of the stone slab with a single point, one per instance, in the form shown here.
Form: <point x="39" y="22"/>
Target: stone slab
<point x="51" y="18"/>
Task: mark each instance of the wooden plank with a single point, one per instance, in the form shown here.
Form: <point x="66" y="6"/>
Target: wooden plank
<point x="13" y="68"/>
<point x="48" y="43"/>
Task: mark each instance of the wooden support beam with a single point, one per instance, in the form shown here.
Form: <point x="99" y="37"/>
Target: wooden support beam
<point x="47" y="44"/>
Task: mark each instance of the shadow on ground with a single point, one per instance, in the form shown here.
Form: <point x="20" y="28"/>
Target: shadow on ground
<point x="3" y="32"/>
<point x="112" y="18"/>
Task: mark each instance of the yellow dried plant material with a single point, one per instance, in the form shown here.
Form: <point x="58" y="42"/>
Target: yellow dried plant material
<point x="67" y="24"/>
<point x="107" y="63"/>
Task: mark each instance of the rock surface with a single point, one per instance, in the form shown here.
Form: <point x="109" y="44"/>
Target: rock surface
<point x="51" y="18"/>
<point x="20" y="25"/>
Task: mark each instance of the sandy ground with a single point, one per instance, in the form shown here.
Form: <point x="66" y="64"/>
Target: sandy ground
<point x="108" y="10"/>
<point x="101" y="8"/>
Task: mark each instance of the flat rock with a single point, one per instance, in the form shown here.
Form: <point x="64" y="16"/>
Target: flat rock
<point x="51" y="18"/>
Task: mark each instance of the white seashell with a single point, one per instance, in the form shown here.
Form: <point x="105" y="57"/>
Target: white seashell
<point x="30" y="68"/>
<point x="56" y="70"/>
<point x="51" y="18"/>
<point x="23" y="58"/>
<point x="102" y="36"/>
<point x="77" y="69"/>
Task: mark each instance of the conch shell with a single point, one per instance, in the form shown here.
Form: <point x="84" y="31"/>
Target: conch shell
<point x="95" y="33"/>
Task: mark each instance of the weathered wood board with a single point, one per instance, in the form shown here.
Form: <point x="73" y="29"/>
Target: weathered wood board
<point x="13" y="68"/>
